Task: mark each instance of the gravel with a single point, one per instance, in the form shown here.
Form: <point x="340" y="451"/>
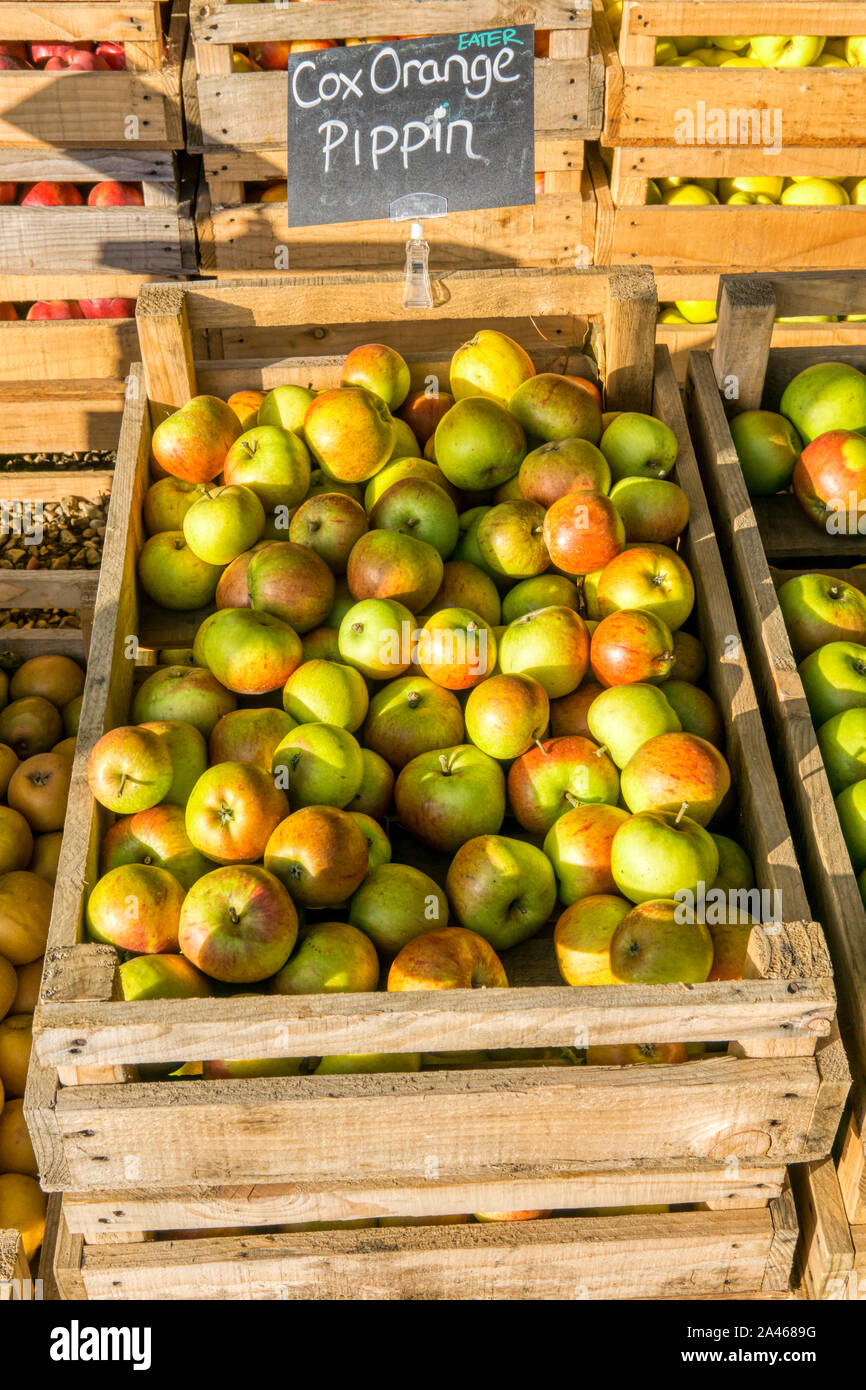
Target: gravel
<point x="59" y="463"/>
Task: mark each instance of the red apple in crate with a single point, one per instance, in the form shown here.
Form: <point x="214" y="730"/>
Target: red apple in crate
<point x="129" y="770"/>
<point x="350" y="433"/>
<point x="110" y="194"/>
<point x="551" y="645"/>
<point x="41" y="51"/>
<point x="187" y="693"/>
<point x="232" y="810"/>
<point x="329" y="525"/>
<point x="447" y="796"/>
<point x="12" y="48"/>
<point x="233" y="591"/>
<point x="251" y="653"/>
<point x="10" y="64"/>
<point x="54" y="309"/>
<point x="159" y="837"/>
<point x="77" y="62"/>
<point x="193" y="442"/>
<point x="136" y="907"/>
<point x="578" y="846"/>
<point x="320" y="853"/>
<point x="651" y="577"/>
<point x="272" y="56"/>
<point x="556" y="775"/>
<point x="245" y="405"/>
<point x="456" y="649"/>
<point x="8" y="192"/>
<point x="675" y="771"/>
<point x="563" y="466"/>
<point x="583" y="531"/>
<point x="629" y="646"/>
<point x="249" y="736"/>
<point x="451" y="958"/>
<point x="388" y="565"/>
<point x="506" y="715"/>
<point x="381" y="370"/>
<point x="52" y="195"/>
<point x="830" y="482"/>
<point x="8" y="312"/>
<point x="422" y="412"/>
<point x="238" y="924"/>
<point x="114" y="55"/>
<point x="568" y="715"/>
<point x="107" y="308"/>
<point x="291" y="583"/>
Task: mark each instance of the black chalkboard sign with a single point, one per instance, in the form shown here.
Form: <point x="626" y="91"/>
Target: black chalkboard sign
<point x="450" y="118"/>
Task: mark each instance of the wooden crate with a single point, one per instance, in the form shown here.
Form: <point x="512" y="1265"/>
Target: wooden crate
<point x="644" y="104"/>
<point x="767" y="540"/>
<point x="716" y="1130"/>
<point x="157" y="239"/>
<point x="139" y="108"/>
<point x="20" y="1283"/>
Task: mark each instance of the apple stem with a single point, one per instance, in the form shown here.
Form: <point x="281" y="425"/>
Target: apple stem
<point x="443" y="763"/>
<point x="233" y="916"/>
<point x="413" y="699"/>
<point x="541" y="746"/>
<point x="681" y="812"/>
<point x="601" y="749"/>
<point x="122" y="784"/>
<point x="572" y="800"/>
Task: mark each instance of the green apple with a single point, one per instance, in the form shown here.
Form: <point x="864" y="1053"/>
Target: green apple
<point x="286" y="406"/>
<point x="650" y="946"/>
<point x="818" y="609"/>
<point x="656" y="854"/>
<point x="511" y="541"/>
<point x="652" y="509"/>
<point x="376" y="792"/>
<point x="825" y="396"/>
<point x="397" y="469"/>
<point x="223" y="522"/>
<point x="162" y="977"/>
<point x="851" y="806"/>
<point x="327" y="692"/>
<point x="503" y="889"/>
<point x="273" y="462"/>
<point x="378" y="844"/>
<point x="696" y="710"/>
<point x="834" y="679"/>
<point x="842" y="741"/>
<point x="189" y="756"/>
<point x="736" y="871"/>
<point x="395" y="903"/>
<point x="449" y="795"/>
<point x="638" y="446"/>
<point x="420" y="509"/>
<point x="767" y="446"/>
<point x="624" y="717"/>
<point x="479" y="444"/>
<point x="173" y="575"/>
<point x="789" y="51"/>
<point x="375" y="637"/>
<point x="542" y="591"/>
<point x="318" y="765"/>
<point x="366" y="1064"/>
<point x="551" y="645"/>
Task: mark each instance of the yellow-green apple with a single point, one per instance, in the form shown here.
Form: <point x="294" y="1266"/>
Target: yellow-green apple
<point x="578" y="847"/>
<point x="817" y="192"/>
<point x="730" y="948"/>
<point x="479" y="444"/>
<point x="558" y="774"/>
<point x="842" y="741"/>
<point x="582" y="938"/>
<point x="465" y="585"/>
<point x="562" y="466"/>
<point x="690" y="659"/>
<point x="238" y="924"/>
<point x="830" y="481"/>
<point x="365" y="1063"/>
<point x="423" y="410"/>
<point x="825" y="396"/>
<point x="629" y="646"/>
<point x="173" y="575"/>
<point x="250" y="653"/>
<point x="568" y="715"/>
<point x="136" y="907"/>
<point x="188" y="752"/>
<point x="193" y="442"/>
<point x="551" y="645"/>
<point x="492" y="365"/>
<point x="166" y="503"/>
<point x="420" y="509"/>
<point x="379" y="369"/>
<point x="696" y="710"/>
<point x="232" y="810"/>
<point x="638" y="446"/>
<point x="697" y="310"/>
<point x="162" y="977"/>
<point x="674" y="770"/>
<point x="398" y="470"/>
<point x="451" y="958"/>
<point x="623" y="717"/>
<point x="501" y="888"/>
<point x="129" y="769"/>
<point x="851" y="807"/>
<point x="551" y="407"/>
<point x="506" y="715"/>
<point x="291" y="583"/>
<point x="30" y="725"/>
<point x="329" y="692"/>
<point x="245" y="405"/>
<point x="650" y="577"/>
<point x="273" y="463"/>
<point x="511" y="538"/>
<point x="286" y="406"/>
<point x="350" y="433"/>
<point x="319" y="765"/>
<point x="320" y="482"/>
<point x="378" y="844"/>
<point x="651" y="947"/>
<point x="412" y="715"/>
<point x="376" y="637"/>
<point x="249" y="736"/>
<point x="735" y="866"/>
<point x="456" y="649"/>
<point x="39" y="790"/>
<point x="652" y="509"/>
<point x="818" y="609"/>
<point x="329" y="524"/>
<point x="405" y="443"/>
<point x="855" y="50"/>
<point x="330" y="958"/>
<point x="395" y="903"/>
<point x="376" y="792"/>
<point x="654" y="854"/>
<point x="689" y="195"/>
<point x="834" y="679"/>
<point x="320" y="854"/>
<point x="768" y="447"/>
<point x="223" y="522"/>
<point x="159" y="837"/>
<point x="448" y="796"/>
<point x="583" y="531"/>
<point x="543" y="591"/>
<point x="390" y="565"/>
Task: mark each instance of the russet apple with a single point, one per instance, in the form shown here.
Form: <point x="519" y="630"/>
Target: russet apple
<point x="451" y="958"/>
<point x="329" y="524"/>
<point x="16" y="840"/>
<point x="291" y="583"/>
<point x="501" y="888"/>
<point x="39" y="790"/>
<point x="479" y="444"/>
<point x="273" y="463"/>
<point x="330" y="958"/>
<point x="238" y="924"/>
<point x="551" y="645"/>
<point x="22" y="1208"/>
<point x="631" y="645"/>
<point x="129" y="769"/>
<point x="350" y="433"/>
<point x="320" y="854"/>
<point x="448" y="796"/>
<point x="562" y="466"/>
<point x="818" y="610"/>
<point x="465" y="585"/>
<point x="649" y="577"/>
<point x="136" y="907"/>
<point x="491" y="365"/>
<point x="232" y="811"/>
<point x="381" y="370"/>
<point x="506" y="715"/>
<point x="30" y="725"/>
<point x="395" y="903"/>
<point x="556" y="775"/>
<point x="55" y="678"/>
<point x="390" y="565"/>
<point x="25" y="912"/>
<point x="187" y="693"/>
<point x="674" y="770"/>
<point x="625" y="716"/>
<point x="655" y="854"/>
<point x="551" y="407"/>
<point x="650" y="947"/>
<point x="193" y="442"/>
<point x="16" y="1150"/>
<point x="582" y="937"/>
<point x="412" y="715"/>
<point x="690" y="659"/>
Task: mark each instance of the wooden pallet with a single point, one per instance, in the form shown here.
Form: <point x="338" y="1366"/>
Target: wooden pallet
<point x="766" y="541"/>
<point x="644" y="103"/>
<point x="139" y="1158"/>
<point x="139" y="108"/>
<point x="157" y="239"/>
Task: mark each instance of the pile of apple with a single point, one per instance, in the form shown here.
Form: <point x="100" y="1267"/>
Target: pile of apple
<point x="113" y="308"/>
<point x="396" y="743"/>
<point x="108" y="193"/>
<point x="765" y="190"/>
<point x="39" y="712"/>
<point x="744" y="51"/>
<point x="701" y="311"/>
<point x="62" y="57"/>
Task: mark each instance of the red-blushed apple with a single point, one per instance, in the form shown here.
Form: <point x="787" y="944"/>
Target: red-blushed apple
<point x="563" y="466"/>
<point x="232" y="811"/>
<point x="330" y="958"/>
<point x="329" y="524"/>
<point x="183" y="692"/>
<point x="583" y="531"/>
<point x="568" y="715"/>
<point x="690" y="659"/>
<point x="107" y="308"/>
<point x="651" y="947"/>
<point x="77" y="62"/>
<point x="249" y="736"/>
<point x="379" y="369"/>
<point x="696" y="711"/>
<point x="552" y="407"/>
<point x="291" y="583"/>
<point x="657" y="854"/>
<point x="506" y="715"/>
<point x="422" y="412"/>
<point x="172" y="574"/>
<point x="389" y="565"/>
<point x="350" y="433"/>
<point x="456" y="649"/>
<point x="188" y="752"/>
<point x="623" y="717"/>
<point x="136" y="907"/>
<point x="412" y="715"/>
<point x="631" y="645"/>
<point x="193" y="442"/>
<point x="54" y="309"/>
<point x="250" y="653"/>
<point x="238" y="924"/>
<point x="451" y="958"/>
<point x="129" y="770"/>
<point x="273" y="56"/>
<point x="652" y="509"/>
<point x="492" y="365"/>
<point x="166" y="503"/>
<point x="114" y="55"/>
<point x="501" y="888"/>
<point x="321" y="644"/>
<point x="245" y="405"/>
<point x="319" y="765"/>
<point x="52" y="195"/>
<point x="638" y="446"/>
<point x="320" y="854"/>
<point x="819" y="609"/>
<point x="556" y="775"/>
<point x="13" y="48"/>
<point x="273" y="463"/>
<point x="830" y="481"/>
<point x="233" y="591"/>
<point x="582" y="937"/>
<point x="376" y="636"/>
<point x="676" y="770"/>
<point x="218" y="1070"/>
<point x="552" y="646"/>
<point x="395" y="903"/>
<point x="376" y="792"/>
<point x="651" y="577"/>
<point x="478" y="444"/>
<point x="447" y="797"/>
<point x="8" y="312"/>
<point x="110" y="194"/>
<point x="578" y="846"/>
<point x="159" y="837"/>
<point x="10" y="64"/>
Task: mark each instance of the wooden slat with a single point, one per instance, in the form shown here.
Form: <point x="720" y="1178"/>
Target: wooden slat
<point x="668" y="17"/>
<point x="135" y="239"/>
<point x="827" y="1253"/>
<point x="86" y="166"/>
<point x="89" y="108"/>
<point x="45" y="349"/>
<point x="227" y="24"/>
<point x="14" y="1267"/>
<point x="80" y="19"/>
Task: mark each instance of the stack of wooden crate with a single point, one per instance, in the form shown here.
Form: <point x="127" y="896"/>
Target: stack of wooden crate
<point x="142" y="1163"/>
<point x="238" y="121"/>
<point x="768" y="540"/>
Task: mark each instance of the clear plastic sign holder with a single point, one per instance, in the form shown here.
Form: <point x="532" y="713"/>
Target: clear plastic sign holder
<point x="417" y="208"/>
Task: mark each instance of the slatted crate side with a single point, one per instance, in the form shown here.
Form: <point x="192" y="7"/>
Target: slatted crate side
<point x="14" y="1266"/>
<point x="644" y="103"/>
<point x="837" y="339"/>
<point x="96" y="109"/>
